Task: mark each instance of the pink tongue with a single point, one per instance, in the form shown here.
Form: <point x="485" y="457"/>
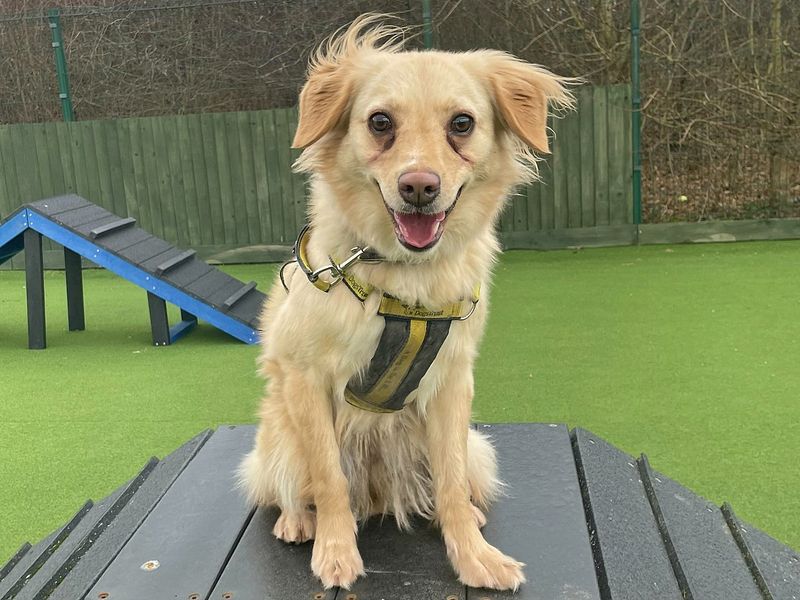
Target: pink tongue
<point x="418" y="230"/>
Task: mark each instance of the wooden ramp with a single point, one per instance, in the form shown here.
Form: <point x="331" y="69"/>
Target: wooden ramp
<point x="590" y="522"/>
<point x="167" y="273"/>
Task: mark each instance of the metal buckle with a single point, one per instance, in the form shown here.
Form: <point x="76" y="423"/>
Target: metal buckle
<point x="338" y="270"/>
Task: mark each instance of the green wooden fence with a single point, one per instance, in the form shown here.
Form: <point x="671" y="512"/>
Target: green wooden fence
<point x="222" y="183"/>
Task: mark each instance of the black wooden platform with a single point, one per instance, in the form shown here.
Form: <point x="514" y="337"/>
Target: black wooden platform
<point x="590" y="521"/>
<point x="167" y="273"/>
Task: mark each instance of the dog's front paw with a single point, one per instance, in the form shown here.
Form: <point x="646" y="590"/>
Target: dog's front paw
<point x="295" y="527"/>
<point x="487" y="567"/>
<point x="336" y="562"/>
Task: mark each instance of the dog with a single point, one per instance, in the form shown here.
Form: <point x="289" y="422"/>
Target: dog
<point x="370" y="335"/>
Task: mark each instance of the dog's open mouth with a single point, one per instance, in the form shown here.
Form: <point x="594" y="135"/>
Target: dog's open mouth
<point x="419" y="231"/>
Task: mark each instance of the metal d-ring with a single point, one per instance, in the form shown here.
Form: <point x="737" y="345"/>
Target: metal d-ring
<point x="469" y="314"/>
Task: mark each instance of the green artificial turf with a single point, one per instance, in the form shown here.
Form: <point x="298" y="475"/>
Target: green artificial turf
<point x="688" y="353"/>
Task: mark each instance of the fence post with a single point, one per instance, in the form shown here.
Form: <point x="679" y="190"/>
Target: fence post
<point x="427" y="25"/>
<point x="636" y="100"/>
<point x="54" y="17"/>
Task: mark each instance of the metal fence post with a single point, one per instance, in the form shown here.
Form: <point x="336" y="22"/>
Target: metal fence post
<point x="54" y="17"/>
<point x="636" y="133"/>
<point x="427" y="25"/>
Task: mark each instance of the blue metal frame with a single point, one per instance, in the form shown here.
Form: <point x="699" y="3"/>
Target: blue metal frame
<point x="142" y="278"/>
<point x="11" y="232"/>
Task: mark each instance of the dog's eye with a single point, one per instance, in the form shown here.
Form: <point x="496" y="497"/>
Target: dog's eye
<point x="461" y="124"/>
<point x="380" y="123"/>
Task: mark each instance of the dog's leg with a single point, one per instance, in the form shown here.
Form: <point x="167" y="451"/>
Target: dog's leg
<point x="275" y="474"/>
<point x="477" y="563"/>
<point x="335" y="558"/>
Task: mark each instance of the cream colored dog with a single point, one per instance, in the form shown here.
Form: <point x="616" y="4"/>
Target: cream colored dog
<point x="412" y="154"/>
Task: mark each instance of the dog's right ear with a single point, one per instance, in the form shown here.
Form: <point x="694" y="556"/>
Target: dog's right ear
<point x="323" y="101"/>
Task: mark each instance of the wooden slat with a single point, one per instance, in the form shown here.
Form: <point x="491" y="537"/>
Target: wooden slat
<point x="25" y="160"/>
<point x="217" y="224"/>
<point x="283" y="140"/>
<point x="119" y="241"/>
<point x="8" y="192"/>
<point x="276" y="193"/>
<point x="601" y="174"/>
<point x="36" y="558"/>
<point x="83" y="575"/>
<point x="231" y="300"/>
<point x="88" y="146"/>
<point x="559" y="173"/>
<point x="261" y="178"/>
<point x="190" y="202"/>
<point x="519" y="207"/>
<point x="65" y="154"/>
<point x="704" y="555"/>
<point x="177" y="257"/>
<point x="140" y="151"/>
<point x="202" y="513"/>
<point x="533" y="192"/>
<point x="150" y="177"/>
<point x="573" y="166"/>
<point x="103" y="194"/>
<point x="187" y="272"/>
<point x="72" y="550"/>
<point x="263" y="567"/>
<point x="111" y="132"/>
<point x="585" y="237"/>
<point x="720" y="231"/>
<point x="546" y="195"/>
<point x="56" y="205"/>
<point x="176" y="181"/>
<point x="405" y="566"/>
<point x="60" y="179"/>
<point x="115" y="225"/>
<point x="47" y="178"/>
<point x="164" y="176"/>
<point x="202" y="211"/>
<point x="26" y="560"/>
<point x="214" y="284"/>
<point x="245" y="122"/>
<point x="540" y="520"/>
<point x="126" y="184"/>
<point x="14" y="560"/>
<point x="586" y="143"/>
<point x="222" y="142"/>
<point x="145" y="250"/>
<point x="79" y="216"/>
<point x="619" y="159"/>
<point x="235" y="158"/>
<point x="778" y="565"/>
<point x="629" y="553"/>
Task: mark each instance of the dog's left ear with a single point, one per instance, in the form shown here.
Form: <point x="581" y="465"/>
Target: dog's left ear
<point x="522" y="92"/>
<point x="323" y="101"/>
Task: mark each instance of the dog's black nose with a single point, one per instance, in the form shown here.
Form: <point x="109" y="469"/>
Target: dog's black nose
<point x="419" y="188"/>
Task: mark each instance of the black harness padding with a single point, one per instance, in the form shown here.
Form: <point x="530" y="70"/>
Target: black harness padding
<point x="404" y="354"/>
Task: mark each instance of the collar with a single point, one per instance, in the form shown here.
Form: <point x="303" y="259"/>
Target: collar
<point x="389" y="306"/>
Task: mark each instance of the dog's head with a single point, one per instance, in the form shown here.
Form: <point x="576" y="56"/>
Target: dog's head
<point x="418" y="150"/>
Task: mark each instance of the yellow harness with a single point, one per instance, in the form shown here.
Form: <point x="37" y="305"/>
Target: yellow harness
<point x="411" y="338"/>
